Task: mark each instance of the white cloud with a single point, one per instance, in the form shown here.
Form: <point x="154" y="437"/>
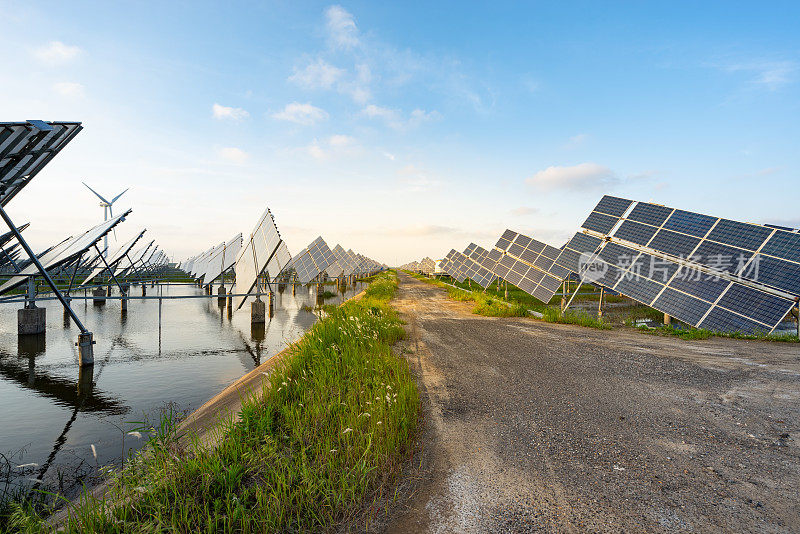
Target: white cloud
<point x="317" y="75"/>
<point x="56" y="53"/>
<point x="301" y="113"/>
<point x="234" y="155"/>
<point x="576" y="141"/>
<point x="69" y="89"/>
<point x="334" y="145"/>
<point x="769" y="75"/>
<point x="342" y="29"/>
<point x="228" y="113"/>
<point x="416" y="180"/>
<point x="582" y="176"/>
<point x="394" y="119"/>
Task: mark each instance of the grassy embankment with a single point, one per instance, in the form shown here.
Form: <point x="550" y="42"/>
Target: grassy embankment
<point x="320" y="446"/>
<point x="551" y="312"/>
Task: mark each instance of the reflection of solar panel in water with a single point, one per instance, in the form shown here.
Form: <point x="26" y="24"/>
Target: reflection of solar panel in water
<point x="707" y="271"/>
<point x="113" y="259"/>
<point x="25" y="148"/>
<point x="66" y="252"/>
<point x="263" y="251"/>
<point x="223" y="259"/>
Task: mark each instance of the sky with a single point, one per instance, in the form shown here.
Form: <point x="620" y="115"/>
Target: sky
<point x="402" y="130"/>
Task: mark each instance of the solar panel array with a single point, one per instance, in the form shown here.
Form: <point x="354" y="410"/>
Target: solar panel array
<point x="65" y="252"/>
<point x="113" y="259"/>
<point x="313" y="260"/>
<point x="709" y="272"/>
<point x="223" y="259"/>
<point x="25" y="148"/>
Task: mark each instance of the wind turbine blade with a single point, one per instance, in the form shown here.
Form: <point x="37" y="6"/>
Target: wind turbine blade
<point x="116" y="197"/>
<point x="96" y="193"/>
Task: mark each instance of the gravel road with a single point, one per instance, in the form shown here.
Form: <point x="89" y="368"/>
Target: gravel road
<point x="531" y="426"/>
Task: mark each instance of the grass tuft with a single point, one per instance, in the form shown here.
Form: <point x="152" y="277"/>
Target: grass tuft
<point x="554" y="315"/>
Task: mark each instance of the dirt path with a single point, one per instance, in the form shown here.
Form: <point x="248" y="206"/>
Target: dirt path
<point x="531" y="426"/>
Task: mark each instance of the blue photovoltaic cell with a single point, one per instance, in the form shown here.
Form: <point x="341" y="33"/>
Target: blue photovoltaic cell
<point x="528" y="255"/>
<point x="673" y="243"/>
<point x="495" y="255"/>
<point x="501" y="270"/>
<point x="721" y="320"/>
<point x="509" y="235"/>
<point x="551" y="252"/>
<point x="751" y="302"/>
<point x="515" y="249"/>
<point x="783" y="245"/>
<point x="536" y="246"/>
<point x="559" y="271"/>
<point x="635" y="232"/>
<point x="613" y="205"/>
<point x="649" y="213"/>
<point x="654" y="267"/>
<point x="638" y="288"/>
<point x="719" y="257"/>
<point x="535" y="276"/>
<point x="570" y="259"/>
<point x="550" y="283"/>
<point x="774" y="272"/>
<point x="742" y="235"/>
<point x="695" y="224"/>
<point x="699" y="284"/>
<point x="584" y="243"/>
<point x="522" y="240"/>
<point x="543" y="263"/>
<point x="514" y="277"/>
<point x="543" y="294"/>
<point x="681" y="306"/>
<point x="610" y="277"/>
<point x="527" y="286"/>
<point x="599" y="223"/>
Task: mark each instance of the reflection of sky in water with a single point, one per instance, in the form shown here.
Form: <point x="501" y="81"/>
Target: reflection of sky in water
<point x="52" y="412"/>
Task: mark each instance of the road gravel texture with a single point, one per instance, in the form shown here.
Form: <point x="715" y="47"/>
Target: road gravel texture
<point x="531" y="426"/>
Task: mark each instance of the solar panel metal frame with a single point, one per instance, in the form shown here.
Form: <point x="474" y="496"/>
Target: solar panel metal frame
<point x="25" y="148"/>
<point x="114" y="259"/>
<point x="249" y="266"/>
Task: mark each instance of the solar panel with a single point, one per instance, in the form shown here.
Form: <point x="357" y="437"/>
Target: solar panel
<point x="262" y="251"/>
<point x="344" y="260"/>
<point x="223" y="259"/>
<point x="25" y="148"/>
<point x="67" y="251"/>
<point x="714" y="273"/>
<point x="114" y="258"/>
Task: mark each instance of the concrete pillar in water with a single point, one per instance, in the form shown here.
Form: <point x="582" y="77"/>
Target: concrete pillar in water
<point x="31" y="320"/>
<point x="85" y="349"/>
<point x="144" y="290"/>
<point x="108" y="292"/>
<point x="221" y="298"/>
<point x="257" y="311"/>
<point x="99" y="295"/>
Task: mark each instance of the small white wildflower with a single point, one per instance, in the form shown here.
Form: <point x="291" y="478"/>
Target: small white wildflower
<point x="279" y="389"/>
<point x="285" y="384"/>
<point x="137" y="435"/>
<point x="334" y="450"/>
<point x="32" y="464"/>
<point x="346" y="430"/>
<point x="94" y="451"/>
<point x="378" y="423"/>
<point x="365" y="413"/>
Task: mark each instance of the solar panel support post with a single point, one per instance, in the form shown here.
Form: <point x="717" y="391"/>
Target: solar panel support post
<point x="600" y="304"/>
<point x="43" y="272"/>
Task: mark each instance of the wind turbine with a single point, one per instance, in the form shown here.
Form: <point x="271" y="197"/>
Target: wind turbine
<point x="107" y="211"/>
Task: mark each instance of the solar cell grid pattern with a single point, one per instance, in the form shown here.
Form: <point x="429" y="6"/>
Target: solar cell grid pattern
<point x="678" y="240"/>
<point x="536" y="267"/>
<point x="25" y="148"/>
<point x="257" y="251"/>
<point x="483" y="276"/>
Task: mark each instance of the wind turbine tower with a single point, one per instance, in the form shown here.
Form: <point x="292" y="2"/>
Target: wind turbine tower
<point x="107" y="211"/>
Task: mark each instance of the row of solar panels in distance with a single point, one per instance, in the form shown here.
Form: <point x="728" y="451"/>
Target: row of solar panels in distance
<point x="742" y="249"/>
<point x="687" y="294"/>
<point x="452" y="265"/>
<point x="535" y="267"/>
<point x="476" y="270"/>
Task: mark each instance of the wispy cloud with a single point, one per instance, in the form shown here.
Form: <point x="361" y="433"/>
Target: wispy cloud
<point x="318" y="74"/>
<point x="221" y="112"/>
<point x="342" y="29"/>
<point x="57" y="53"/>
<point x="394" y="117"/>
<point x="234" y="155"/>
<point x="333" y="146"/>
<point x="769" y="75"/>
<point x="576" y="177"/>
<point x="416" y="180"/>
<point x="298" y="113"/>
<point x="69" y="89"/>
<point x="576" y="140"/>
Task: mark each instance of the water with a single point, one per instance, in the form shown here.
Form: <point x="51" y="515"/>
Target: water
<point x="51" y="412"/>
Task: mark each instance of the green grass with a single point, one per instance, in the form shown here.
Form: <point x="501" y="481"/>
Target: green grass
<point x="322" y="444"/>
<point x="701" y="333"/>
<point x="554" y="315"/>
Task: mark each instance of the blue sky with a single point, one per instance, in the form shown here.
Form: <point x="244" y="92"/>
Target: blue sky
<point x="403" y="130"/>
